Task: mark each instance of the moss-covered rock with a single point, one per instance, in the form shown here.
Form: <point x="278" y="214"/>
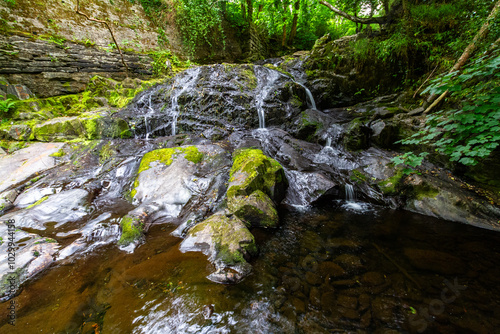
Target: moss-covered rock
<point x="251" y="171"/>
<point x="255" y="210"/>
<point x="227" y="242"/>
<point x="257" y="184"/>
<point x="132" y="230"/>
<point x="356" y="136"/>
<point x="89" y="127"/>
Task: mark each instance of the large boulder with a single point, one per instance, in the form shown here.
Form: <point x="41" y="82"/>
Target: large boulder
<point x="257" y="183"/>
<point x="181" y="184"/>
<point x="227" y="242"/>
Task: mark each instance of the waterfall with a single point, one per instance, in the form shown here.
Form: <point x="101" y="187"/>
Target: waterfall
<point x="328" y="142"/>
<point x="265" y="84"/>
<point x="184" y="83"/>
<point x="310" y="97"/>
<point x="350" y="194"/>
<point x="148" y="130"/>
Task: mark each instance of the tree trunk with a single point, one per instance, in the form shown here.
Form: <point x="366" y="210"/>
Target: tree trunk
<point x="363" y="20"/>
<point x="107" y="26"/>
<point x="469" y="50"/>
<point x="243" y="10"/>
<point x="283" y="40"/>
<point x="293" y="31"/>
<point x="249" y="11"/>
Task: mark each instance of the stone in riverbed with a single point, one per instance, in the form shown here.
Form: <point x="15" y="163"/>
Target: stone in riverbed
<point x="439" y="262"/>
<point x="255" y="210"/>
<point x="228" y="244"/>
<point x="257" y="184"/>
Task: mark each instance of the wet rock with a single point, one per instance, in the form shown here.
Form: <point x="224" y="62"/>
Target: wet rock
<point x="372" y="278"/>
<point x="17" y="132"/>
<point x="328" y="301"/>
<point x="222" y="96"/>
<point x="89" y="127"/>
<point x="435" y="261"/>
<point x="356" y="136"/>
<point x="349" y="302"/>
<point x="62" y="208"/>
<point x="227" y="242"/>
<point x="299" y="305"/>
<point x="26" y="163"/>
<point x="291" y="283"/>
<point x="383" y="309"/>
<point x="349" y="262"/>
<point x="132" y="229"/>
<point x="33" y="255"/>
<point x="309" y="187"/>
<point x="255" y="210"/>
<point x="257" y="183"/>
<point x="344" y="245"/>
<point x="180" y="182"/>
<point x="364" y="302"/>
<point x="330" y="269"/>
<point x="315" y="297"/>
<point x="313" y="278"/>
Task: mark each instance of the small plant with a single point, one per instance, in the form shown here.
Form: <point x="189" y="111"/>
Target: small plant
<point x="7" y="105"/>
<point x="11" y="2"/>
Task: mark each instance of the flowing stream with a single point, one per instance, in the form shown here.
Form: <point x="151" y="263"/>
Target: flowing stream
<point x="338" y="266"/>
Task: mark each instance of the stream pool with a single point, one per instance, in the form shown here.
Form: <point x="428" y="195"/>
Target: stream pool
<point x="336" y="269"/>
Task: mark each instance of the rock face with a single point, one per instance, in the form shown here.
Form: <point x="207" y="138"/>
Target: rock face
<point x="49" y="69"/>
<point x="213" y="101"/>
<point x="90" y="127"/>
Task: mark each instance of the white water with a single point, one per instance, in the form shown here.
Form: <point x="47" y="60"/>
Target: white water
<point x="181" y="85"/>
<point x="265" y="84"/>
<point x="310" y="97"/>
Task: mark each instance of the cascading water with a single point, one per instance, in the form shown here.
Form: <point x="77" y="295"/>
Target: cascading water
<point x="310" y="97"/>
<point x="350" y="194"/>
<point x="184" y="83"/>
<point x="265" y="83"/>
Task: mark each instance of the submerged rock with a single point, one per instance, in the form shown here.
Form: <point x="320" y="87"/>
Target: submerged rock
<point x="227" y="242"/>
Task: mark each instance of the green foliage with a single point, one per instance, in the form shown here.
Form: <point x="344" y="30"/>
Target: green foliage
<point x="7" y="105"/>
<point x="472" y="131"/>
<point x="161" y="59"/>
<point x="200" y="22"/>
<point x="11" y="2"/>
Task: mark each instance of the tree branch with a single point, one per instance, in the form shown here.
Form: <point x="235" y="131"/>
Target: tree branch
<point x="362" y="20"/>
<point x="434" y="99"/>
<point x="107" y="26"/>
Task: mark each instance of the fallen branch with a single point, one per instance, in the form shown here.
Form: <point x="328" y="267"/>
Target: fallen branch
<point x="422" y="85"/>
<point x="107" y="26"/>
<point x="397" y="265"/>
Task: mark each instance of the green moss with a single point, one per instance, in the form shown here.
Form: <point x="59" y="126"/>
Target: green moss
<point x="58" y="154"/>
<point x="166" y="155"/>
<point x="260" y="173"/>
<point x="41" y="200"/>
<point x="358" y="176"/>
<point x="425" y="191"/>
<point x="390" y="185"/>
<point x="272" y="67"/>
<point x="131" y="230"/>
<point x="106" y="152"/>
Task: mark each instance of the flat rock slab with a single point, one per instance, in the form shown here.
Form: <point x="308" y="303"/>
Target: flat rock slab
<point x="27" y="162"/>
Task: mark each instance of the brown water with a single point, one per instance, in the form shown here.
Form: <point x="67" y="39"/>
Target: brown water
<point x="324" y="271"/>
